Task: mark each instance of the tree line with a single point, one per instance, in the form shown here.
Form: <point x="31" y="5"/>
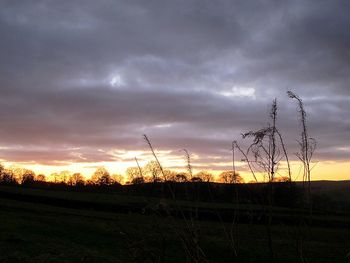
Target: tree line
<point x="149" y="173"/>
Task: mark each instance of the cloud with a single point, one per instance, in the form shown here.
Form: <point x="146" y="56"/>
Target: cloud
<point x="190" y="74"/>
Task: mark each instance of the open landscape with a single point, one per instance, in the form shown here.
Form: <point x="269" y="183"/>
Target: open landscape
<point x="192" y="131"/>
<point x="47" y="224"/>
<point x="134" y="224"/>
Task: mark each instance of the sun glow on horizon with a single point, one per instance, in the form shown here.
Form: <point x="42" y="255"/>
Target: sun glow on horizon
<point x="325" y="170"/>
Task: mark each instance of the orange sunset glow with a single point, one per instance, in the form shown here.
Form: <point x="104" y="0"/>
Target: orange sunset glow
<point x="325" y="170"/>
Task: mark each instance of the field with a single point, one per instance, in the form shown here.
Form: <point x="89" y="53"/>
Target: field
<point x="42" y="225"/>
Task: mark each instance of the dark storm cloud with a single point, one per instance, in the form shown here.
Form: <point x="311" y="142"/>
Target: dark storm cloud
<point x="191" y="74"/>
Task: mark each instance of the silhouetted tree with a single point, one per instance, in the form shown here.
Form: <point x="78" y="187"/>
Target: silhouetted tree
<point x="40" y="178"/>
<point x="134" y="175"/>
<point x="169" y="174"/>
<point x="54" y="177"/>
<point x="101" y="177"/>
<point x="152" y="170"/>
<point x="230" y="177"/>
<point x="180" y="177"/>
<point x="117" y="178"/>
<point x="138" y="180"/>
<point x="63" y="177"/>
<point x="17" y="173"/>
<point x="27" y="177"/>
<point x="22" y="175"/>
<point x="7" y="177"/>
<point x="204" y="176"/>
<point x="76" y="179"/>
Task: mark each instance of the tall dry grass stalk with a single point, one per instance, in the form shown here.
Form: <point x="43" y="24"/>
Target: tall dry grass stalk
<point x="307" y="148"/>
<point x="188" y="163"/>
<point x="139" y="167"/>
<point x="264" y="155"/>
<point x="189" y="232"/>
<point x="234" y="231"/>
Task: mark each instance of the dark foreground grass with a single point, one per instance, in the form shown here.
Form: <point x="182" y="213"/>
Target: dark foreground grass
<point x="32" y="232"/>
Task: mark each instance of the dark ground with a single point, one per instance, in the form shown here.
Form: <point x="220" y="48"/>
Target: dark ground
<point x="50" y="225"/>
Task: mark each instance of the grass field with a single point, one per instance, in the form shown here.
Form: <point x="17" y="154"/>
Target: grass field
<point x="35" y="231"/>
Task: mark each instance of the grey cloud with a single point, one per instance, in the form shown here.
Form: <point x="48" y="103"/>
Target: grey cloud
<point x="175" y="61"/>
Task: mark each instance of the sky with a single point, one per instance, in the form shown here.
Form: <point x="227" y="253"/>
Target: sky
<point x="82" y="81"/>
